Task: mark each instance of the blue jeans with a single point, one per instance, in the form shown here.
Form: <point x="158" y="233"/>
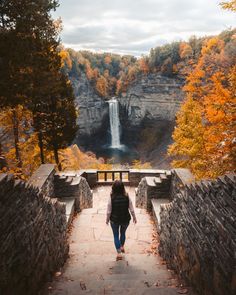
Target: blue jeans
<point x="119" y="234"/>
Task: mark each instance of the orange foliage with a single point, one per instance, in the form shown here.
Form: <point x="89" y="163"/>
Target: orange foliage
<point x="73" y="159"/>
<point x="185" y="50"/>
<point x="65" y="59"/>
<point x="143" y="65"/>
<point x="210" y="91"/>
<point x="101" y="86"/>
<point x="118" y="87"/>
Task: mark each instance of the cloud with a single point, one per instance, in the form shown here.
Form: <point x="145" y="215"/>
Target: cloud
<point x="135" y="26"/>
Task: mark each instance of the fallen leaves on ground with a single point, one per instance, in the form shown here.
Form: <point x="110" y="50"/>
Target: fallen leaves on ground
<point x="82" y="285"/>
<point x="57" y="274"/>
<point x="183" y="291"/>
<point x="147" y="284"/>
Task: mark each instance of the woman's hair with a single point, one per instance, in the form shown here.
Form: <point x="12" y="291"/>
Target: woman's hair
<point x="118" y="189"/>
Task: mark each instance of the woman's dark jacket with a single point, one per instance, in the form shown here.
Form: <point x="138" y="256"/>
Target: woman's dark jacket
<point x="120" y="210"/>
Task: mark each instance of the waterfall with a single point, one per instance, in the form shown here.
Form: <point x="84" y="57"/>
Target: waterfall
<point x="114" y="123"/>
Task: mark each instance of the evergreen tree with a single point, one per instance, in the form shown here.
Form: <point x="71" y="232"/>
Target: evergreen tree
<point x="20" y="23"/>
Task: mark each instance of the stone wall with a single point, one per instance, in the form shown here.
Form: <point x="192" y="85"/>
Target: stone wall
<point x="198" y="233"/>
<point x="33" y="242"/>
<point x="72" y="185"/>
<point x="153" y="97"/>
<point x="43" y="179"/>
<point x="90" y="176"/>
<point x="156" y="186"/>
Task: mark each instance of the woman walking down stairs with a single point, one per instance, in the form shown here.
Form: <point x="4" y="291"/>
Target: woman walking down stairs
<point x="92" y="267"/>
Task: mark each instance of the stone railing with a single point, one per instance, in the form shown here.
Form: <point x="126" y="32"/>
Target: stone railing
<point x="33" y="231"/>
<point x="131" y="176"/>
<point x="197" y="232"/>
<point x="43" y="179"/>
<point x="108" y="176"/>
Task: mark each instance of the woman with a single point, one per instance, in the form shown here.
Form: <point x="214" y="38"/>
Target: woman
<point x="118" y="208"/>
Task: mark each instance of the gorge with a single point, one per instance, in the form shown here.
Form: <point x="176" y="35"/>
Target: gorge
<point x="146" y="113"/>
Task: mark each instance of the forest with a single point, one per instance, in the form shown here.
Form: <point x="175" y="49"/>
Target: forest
<point x="111" y="74"/>
<point x="38" y="111"/>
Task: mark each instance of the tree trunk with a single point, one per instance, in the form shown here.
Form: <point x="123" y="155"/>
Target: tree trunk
<point x="15" y="122"/>
<point x="40" y="143"/>
<point x="56" y="156"/>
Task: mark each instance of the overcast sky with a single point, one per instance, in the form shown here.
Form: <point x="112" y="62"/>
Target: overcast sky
<point x="135" y="26"/>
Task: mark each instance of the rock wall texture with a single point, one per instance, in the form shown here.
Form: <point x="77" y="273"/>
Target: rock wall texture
<point x="152" y="97"/>
<point x="33" y="242"/>
<point x="198" y="233"/>
<point x="72" y="185"/>
<point x="156" y="186"/>
<point x="43" y="179"/>
<point x="93" y="110"/>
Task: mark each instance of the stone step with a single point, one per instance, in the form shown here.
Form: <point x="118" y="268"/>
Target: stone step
<point x="168" y="173"/>
<point x="157" y="180"/>
<point x="150" y="181"/>
<point x="156" y="209"/>
<point x="69" y="179"/>
<point x="163" y="177"/>
<point x="70" y="208"/>
<point x="76" y="180"/>
<point x="104" y="289"/>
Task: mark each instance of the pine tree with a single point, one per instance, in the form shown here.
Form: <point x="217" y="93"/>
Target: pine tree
<point x="20" y="22"/>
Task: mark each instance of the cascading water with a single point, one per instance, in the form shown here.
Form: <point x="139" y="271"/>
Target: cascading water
<point x="114" y="123"/>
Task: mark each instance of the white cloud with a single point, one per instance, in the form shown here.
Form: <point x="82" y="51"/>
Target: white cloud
<point x="134" y="26"/>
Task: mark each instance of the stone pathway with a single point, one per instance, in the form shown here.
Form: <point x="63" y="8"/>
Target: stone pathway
<point x="92" y="268"/>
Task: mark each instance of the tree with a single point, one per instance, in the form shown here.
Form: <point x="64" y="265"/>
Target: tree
<point x="188" y="148"/>
<point x="59" y="121"/>
<point x="229" y="5"/>
<point x="185" y="50"/>
<point x="220" y="130"/>
<point x="143" y="64"/>
<point x="205" y="133"/>
<point x="101" y="86"/>
<point x="21" y="22"/>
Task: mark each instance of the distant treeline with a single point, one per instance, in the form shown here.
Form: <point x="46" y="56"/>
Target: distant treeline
<point x="111" y="74"/>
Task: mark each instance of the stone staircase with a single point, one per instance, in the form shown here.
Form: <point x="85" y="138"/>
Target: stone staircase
<point x="153" y="187"/>
<point x="73" y="190"/>
<point x="153" y="191"/>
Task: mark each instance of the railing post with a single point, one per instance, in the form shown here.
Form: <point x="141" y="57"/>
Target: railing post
<point x="121" y="176"/>
<point x="113" y="176"/>
<point x="97" y="176"/>
<point x="105" y="175"/>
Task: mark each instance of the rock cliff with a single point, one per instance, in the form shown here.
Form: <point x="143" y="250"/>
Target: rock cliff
<point x="147" y="115"/>
<point x="152" y="97"/>
<point x="93" y="110"/>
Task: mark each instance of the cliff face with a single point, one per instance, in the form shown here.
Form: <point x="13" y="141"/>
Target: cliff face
<point x="152" y="97"/>
<point x="147" y="116"/>
<point x="93" y="110"/>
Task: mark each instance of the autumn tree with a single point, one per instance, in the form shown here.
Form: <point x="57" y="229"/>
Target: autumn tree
<point x="205" y="132"/>
<point x="229" y="5"/>
<point x="143" y="65"/>
<point x="185" y="50"/>
<point x="21" y="23"/>
<point x="188" y="148"/>
<point x="101" y="86"/>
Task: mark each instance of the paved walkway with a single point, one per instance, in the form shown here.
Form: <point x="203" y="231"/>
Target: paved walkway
<point x="92" y="268"/>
